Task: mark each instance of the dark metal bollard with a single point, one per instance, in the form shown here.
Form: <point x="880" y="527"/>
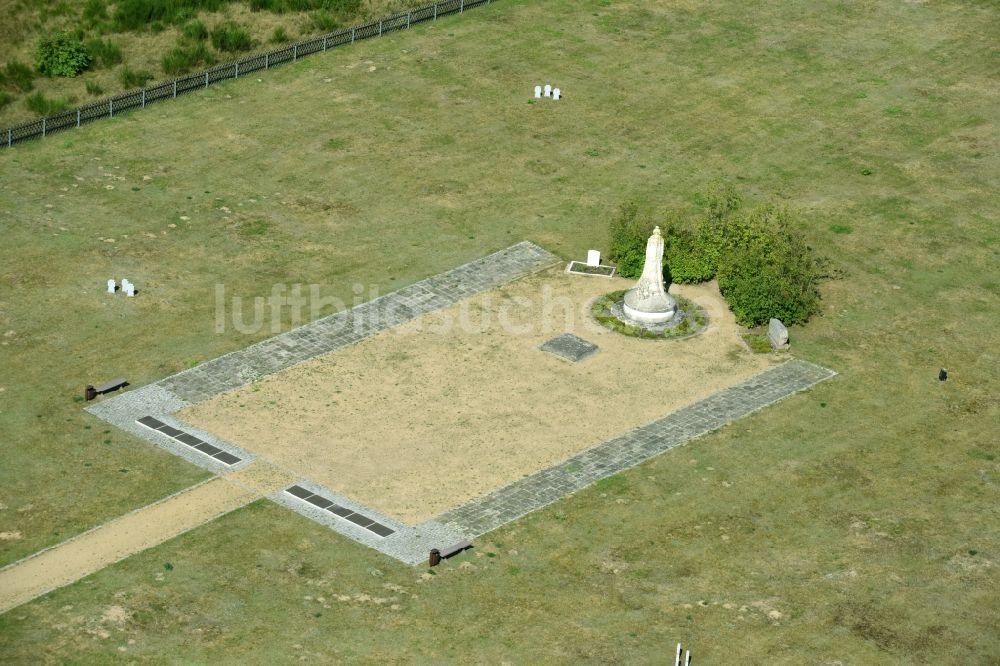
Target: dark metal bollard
<point x="942" y="375"/>
<point x="435" y="557"/>
<point x="89" y="393"/>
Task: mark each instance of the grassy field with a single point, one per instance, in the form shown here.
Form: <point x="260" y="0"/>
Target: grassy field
<point x="856" y="523"/>
<point x="141" y="49"/>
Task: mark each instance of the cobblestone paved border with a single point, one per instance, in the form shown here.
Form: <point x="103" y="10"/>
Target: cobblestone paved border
<point x="636" y="446"/>
<point x="411" y="543"/>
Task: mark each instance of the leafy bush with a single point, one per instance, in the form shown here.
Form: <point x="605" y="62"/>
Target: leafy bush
<point x="182" y="59"/>
<point x="103" y="52"/>
<point x="231" y="37"/>
<point x="61" y="54"/>
<point x="134" y="79"/>
<point x="17" y="76"/>
<point x="44" y="106"/>
<point x="196" y="31"/>
<point x="766" y="270"/>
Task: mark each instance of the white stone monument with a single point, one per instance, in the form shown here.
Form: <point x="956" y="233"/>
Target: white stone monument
<point x="556" y="93"/>
<point x="593" y="257"/>
<point x="648" y="301"/>
<point x="112" y="286"/>
<point x="548" y="90"/>
<point x="538" y="92"/>
<point x="130" y="289"/>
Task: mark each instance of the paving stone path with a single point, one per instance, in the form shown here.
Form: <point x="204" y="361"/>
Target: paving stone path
<point x="615" y="455"/>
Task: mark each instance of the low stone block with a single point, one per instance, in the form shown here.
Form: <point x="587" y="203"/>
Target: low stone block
<point x="777" y="333"/>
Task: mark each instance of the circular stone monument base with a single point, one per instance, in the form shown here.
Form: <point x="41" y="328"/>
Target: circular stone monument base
<point x="688" y="319"/>
<point x="648" y="317"/>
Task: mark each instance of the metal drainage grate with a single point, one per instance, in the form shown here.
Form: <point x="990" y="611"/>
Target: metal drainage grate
<point x="342" y="512"/>
<point x="189" y="440"/>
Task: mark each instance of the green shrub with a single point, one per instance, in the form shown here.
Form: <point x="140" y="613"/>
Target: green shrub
<point x="103" y="52"/>
<point x="93" y="88"/>
<point x="231" y="37"/>
<point x="766" y="269"/>
<point x="195" y="30"/>
<point x="183" y="59"/>
<point x="5" y="99"/>
<point x="134" y="79"/>
<point x="44" y="106"/>
<point x="61" y="54"/>
<point x="279" y="36"/>
<point x="17" y="76"/>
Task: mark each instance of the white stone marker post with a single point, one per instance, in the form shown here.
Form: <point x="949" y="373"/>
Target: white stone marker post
<point x="130" y="289"/>
<point x="556" y="93"/>
<point x="112" y="286"/>
<point x="593" y="257"/>
<point x="548" y="90"/>
<point x="538" y="92"/>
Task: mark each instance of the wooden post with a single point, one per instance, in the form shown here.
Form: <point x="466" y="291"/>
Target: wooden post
<point x="324" y="43"/>
<point x="461" y="6"/>
<point x="9" y="136"/>
<point x="206" y="79"/>
<point x="380" y="28"/>
<point x="435" y="558"/>
<point x="407" y="19"/>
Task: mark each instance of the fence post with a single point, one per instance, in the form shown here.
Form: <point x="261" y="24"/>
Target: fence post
<point x="352" y="34"/>
<point x="435" y="11"/>
<point x="111" y="108"/>
<point x="175" y="88"/>
<point x="380" y="28"/>
<point x="144" y="98"/>
<point x="43" y="128"/>
<point x="237" y="74"/>
<point x="206" y="79"/>
<point x="9" y="136"/>
<point x="461" y="6"/>
<point x="324" y="43"/>
<point x="267" y="60"/>
<point x="78" y="117"/>
<point x="407" y="19"/>
<point x="295" y="52"/>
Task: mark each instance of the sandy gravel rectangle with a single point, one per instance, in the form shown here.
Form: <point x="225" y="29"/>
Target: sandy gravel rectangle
<point x="421" y="418"/>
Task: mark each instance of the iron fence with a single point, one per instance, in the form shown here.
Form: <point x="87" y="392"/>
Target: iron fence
<point x="139" y="99"/>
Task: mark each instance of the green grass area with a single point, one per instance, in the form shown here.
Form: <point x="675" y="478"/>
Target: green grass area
<point x="854" y="523"/>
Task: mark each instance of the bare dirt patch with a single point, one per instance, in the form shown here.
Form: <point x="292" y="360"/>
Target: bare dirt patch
<point x="424" y="417"/>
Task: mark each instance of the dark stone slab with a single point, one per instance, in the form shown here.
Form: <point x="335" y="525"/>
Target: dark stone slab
<point x="358" y="519"/>
<point x="298" y="491"/>
<point x="321" y="502"/>
<point x="380" y="529"/>
<point x="190" y="440"/>
<point x="227" y="458"/>
<point x="570" y="347"/>
<point x="207" y="448"/>
<point x="170" y="432"/>
<point x="150" y="422"/>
